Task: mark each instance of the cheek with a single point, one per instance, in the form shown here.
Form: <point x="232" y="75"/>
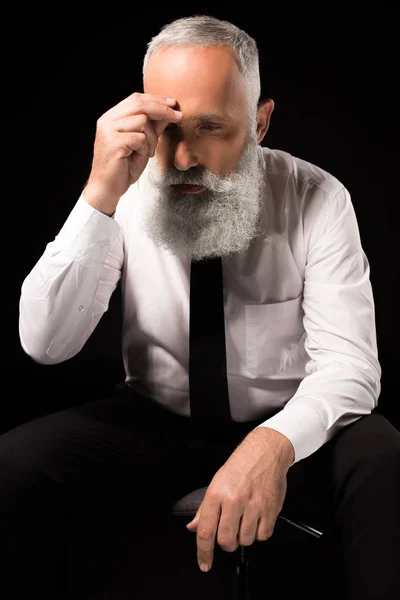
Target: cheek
<point x="223" y="155"/>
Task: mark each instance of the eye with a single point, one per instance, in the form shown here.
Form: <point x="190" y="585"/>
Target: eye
<point x="207" y="127"/>
<point x="210" y="127"/>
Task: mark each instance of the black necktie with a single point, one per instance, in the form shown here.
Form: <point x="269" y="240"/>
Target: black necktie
<point x="208" y="386"/>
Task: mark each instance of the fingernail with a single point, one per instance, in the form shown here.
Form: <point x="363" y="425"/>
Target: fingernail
<point x="170" y="99"/>
<point x="178" y="113"/>
<point x="204" y="567"/>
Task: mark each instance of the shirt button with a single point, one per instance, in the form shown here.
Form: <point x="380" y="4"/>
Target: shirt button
<point x="81" y="308"/>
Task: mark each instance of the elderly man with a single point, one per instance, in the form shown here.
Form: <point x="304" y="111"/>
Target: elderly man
<point x="180" y="183"/>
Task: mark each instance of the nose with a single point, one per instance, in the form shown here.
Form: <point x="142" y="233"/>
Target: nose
<point x="184" y="156"/>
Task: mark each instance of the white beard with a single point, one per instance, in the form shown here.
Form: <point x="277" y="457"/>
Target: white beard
<point x="221" y="220"/>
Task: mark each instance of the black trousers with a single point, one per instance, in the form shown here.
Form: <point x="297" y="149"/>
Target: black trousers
<point x="127" y="453"/>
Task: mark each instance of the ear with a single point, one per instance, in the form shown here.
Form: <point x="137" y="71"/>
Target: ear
<point x="265" y="108"/>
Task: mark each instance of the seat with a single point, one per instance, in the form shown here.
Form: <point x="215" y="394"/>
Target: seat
<point x="187" y="507"/>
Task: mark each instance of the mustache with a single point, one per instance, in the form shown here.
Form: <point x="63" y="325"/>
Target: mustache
<point x="195" y="176"/>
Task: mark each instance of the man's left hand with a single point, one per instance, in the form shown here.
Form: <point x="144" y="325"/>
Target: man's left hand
<point x="245" y="496"/>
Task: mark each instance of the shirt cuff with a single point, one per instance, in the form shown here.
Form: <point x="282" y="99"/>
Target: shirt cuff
<point x="302" y="425"/>
<point x="87" y="235"/>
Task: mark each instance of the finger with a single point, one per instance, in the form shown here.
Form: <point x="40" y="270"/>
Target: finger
<point x="154" y="109"/>
<point x="194" y="522"/>
<point x="228" y="527"/>
<point x="132" y="142"/>
<point x="265" y="528"/>
<point x="206" y="532"/>
<point x="139" y="123"/>
<point x="160" y="126"/>
<point x="248" y="528"/>
<point x="125" y="106"/>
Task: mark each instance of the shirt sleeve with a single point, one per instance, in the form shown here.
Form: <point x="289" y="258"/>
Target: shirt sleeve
<point x="68" y="290"/>
<point x="343" y="373"/>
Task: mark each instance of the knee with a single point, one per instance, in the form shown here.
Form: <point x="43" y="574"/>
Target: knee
<point x="383" y="467"/>
<point x="388" y="458"/>
<point x="369" y="443"/>
<point x="385" y="444"/>
<point x="369" y="453"/>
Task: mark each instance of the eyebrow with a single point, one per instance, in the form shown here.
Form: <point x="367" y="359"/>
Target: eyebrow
<point x="209" y="116"/>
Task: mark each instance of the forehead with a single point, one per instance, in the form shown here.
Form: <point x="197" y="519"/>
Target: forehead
<point x="205" y="79"/>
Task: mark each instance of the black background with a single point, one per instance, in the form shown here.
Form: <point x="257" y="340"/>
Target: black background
<point x="333" y="77"/>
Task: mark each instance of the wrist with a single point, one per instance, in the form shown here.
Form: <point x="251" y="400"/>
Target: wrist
<point x="99" y="200"/>
<point x="279" y="444"/>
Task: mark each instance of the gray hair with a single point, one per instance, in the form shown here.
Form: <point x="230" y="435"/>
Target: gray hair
<point x="203" y="30"/>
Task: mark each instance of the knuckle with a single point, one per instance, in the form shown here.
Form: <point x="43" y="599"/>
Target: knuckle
<point x="109" y="139"/>
<point x="204" y="534"/>
<point x="233" y="500"/>
<point x="265" y="533"/>
<point x="213" y="497"/>
<point x="106" y="133"/>
<point x="223" y="540"/>
<point x="100" y="123"/>
<point x="142" y="121"/>
<point x="228" y="546"/>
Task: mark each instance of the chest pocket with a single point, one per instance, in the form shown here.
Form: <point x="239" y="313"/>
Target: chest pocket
<point x="271" y="332"/>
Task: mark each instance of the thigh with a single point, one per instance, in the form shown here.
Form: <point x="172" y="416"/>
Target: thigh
<point x="120" y="451"/>
<point x="317" y="483"/>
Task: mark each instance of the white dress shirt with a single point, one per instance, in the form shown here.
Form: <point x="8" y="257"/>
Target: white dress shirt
<point x="299" y="309"/>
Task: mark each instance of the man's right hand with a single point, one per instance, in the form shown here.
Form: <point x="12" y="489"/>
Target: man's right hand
<point x="126" y="137"/>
